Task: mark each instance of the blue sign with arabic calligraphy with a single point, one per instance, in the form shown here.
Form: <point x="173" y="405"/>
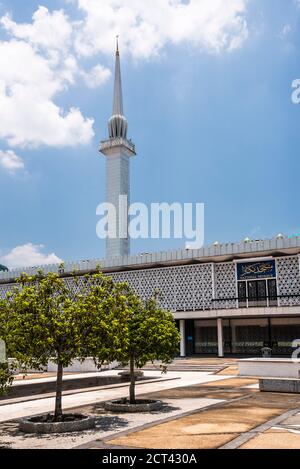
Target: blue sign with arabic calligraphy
<point x="256" y="270"/>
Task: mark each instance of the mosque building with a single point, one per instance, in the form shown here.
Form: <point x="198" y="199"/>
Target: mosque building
<point x="228" y="299"/>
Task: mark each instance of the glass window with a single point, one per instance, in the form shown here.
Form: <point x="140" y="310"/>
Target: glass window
<point x="249" y="336"/>
<point x="283" y="332"/>
<point x="206" y="337"/>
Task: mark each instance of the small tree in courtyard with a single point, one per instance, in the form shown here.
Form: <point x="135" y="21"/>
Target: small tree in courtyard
<point x="6" y="378"/>
<point x="103" y="309"/>
<point x="6" y="370"/>
<point x="45" y="320"/>
<point x="150" y="334"/>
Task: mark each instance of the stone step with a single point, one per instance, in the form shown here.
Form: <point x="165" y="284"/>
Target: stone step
<point x="178" y="367"/>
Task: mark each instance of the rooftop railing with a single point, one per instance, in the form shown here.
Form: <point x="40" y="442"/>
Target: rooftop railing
<point x="165" y="257"/>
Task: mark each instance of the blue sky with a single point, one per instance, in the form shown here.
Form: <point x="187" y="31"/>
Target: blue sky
<point x="210" y="113"/>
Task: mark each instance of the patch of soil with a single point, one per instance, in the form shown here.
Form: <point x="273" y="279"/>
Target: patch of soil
<point x="49" y="418"/>
<point x="137" y="401"/>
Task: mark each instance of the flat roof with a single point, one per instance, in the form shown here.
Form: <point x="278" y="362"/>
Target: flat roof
<point x="215" y="253"/>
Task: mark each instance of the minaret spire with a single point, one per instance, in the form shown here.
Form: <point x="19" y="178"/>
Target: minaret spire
<point x="117" y="124"/>
<point x="118" y="96"/>
<point x="118" y="150"/>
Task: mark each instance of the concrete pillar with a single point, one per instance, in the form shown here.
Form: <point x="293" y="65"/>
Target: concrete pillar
<point x="233" y="339"/>
<point x="182" y="340"/>
<point x="220" y="338"/>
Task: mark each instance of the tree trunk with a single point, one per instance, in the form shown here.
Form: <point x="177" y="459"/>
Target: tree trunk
<point x="58" y="406"/>
<point x="132" y="381"/>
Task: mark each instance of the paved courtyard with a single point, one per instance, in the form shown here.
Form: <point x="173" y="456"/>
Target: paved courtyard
<point x="202" y="410"/>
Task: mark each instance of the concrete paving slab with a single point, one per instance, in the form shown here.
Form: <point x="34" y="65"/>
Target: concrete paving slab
<point x="274" y="439"/>
<point x="9" y="412"/>
<point x="251" y="386"/>
<point x="233" y="382"/>
<point x="206" y="429"/>
<point x="294" y="420"/>
<point x="47" y="395"/>
<point x="230" y="370"/>
<point x="107" y="425"/>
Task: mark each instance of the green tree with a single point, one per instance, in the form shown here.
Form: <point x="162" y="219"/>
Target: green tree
<point x="6" y="370"/>
<point x="6" y="378"/>
<point x="150" y="333"/>
<point x="45" y="320"/>
<point x="103" y="308"/>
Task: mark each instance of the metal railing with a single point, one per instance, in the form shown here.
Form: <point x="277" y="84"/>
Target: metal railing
<point x="261" y="302"/>
<point x="114" y="142"/>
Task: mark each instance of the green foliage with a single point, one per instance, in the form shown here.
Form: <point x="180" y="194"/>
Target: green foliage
<point x="102" y="309"/>
<point x="6" y="378"/>
<point x="151" y="333"/>
<point x="44" y="320"/>
<point x="41" y="322"/>
<point x="6" y="370"/>
<point x="123" y="325"/>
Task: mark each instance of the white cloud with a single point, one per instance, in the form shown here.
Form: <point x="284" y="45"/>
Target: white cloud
<point x="146" y="26"/>
<point x="47" y="30"/>
<point x="10" y="161"/>
<point x="28" y="255"/>
<point x="35" y="65"/>
<point x="43" y="58"/>
<point x="97" y="76"/>
<point x="285" y="31"/>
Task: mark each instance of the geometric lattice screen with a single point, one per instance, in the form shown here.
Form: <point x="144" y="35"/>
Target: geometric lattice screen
<point x="225" y="284"/>
<point x="288" y="280"/>
<point x="192" y="287"/>
<point x="186" y="288"/>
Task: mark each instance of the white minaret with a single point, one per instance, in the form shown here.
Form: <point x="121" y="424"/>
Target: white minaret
<point x="118" y="150"/>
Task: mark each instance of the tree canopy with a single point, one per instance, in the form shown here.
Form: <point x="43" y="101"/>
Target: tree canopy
<point x="44" y="319"/>
<point x="150" y="334"/>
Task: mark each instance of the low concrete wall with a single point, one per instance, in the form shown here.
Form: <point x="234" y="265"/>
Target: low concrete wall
<point x="280" y="385"/>
<point x="29" y="370"/>
<point x="270" y="367"/>
<point x="30" y="387"/>
<point x="88" y="366"/>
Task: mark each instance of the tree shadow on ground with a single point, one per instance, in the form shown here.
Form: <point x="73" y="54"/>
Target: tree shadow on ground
<point x="110" y="422"/>
<point x="105" y="422"/>
<point x="166" y="409"/>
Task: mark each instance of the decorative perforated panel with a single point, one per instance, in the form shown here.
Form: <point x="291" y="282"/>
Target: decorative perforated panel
<point x="225" y="285"/>
<point x="186" y="288"/>
<point x="288" y="280"/>
<point x="203" y="286"/>
<point x="190" y="287"/>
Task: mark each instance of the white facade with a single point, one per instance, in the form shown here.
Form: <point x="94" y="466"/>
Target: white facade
<point x="201" y="289"/>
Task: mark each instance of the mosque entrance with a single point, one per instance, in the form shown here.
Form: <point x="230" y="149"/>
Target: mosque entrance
<point x="257" y="293"/>
<point x="242" y="336"/>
